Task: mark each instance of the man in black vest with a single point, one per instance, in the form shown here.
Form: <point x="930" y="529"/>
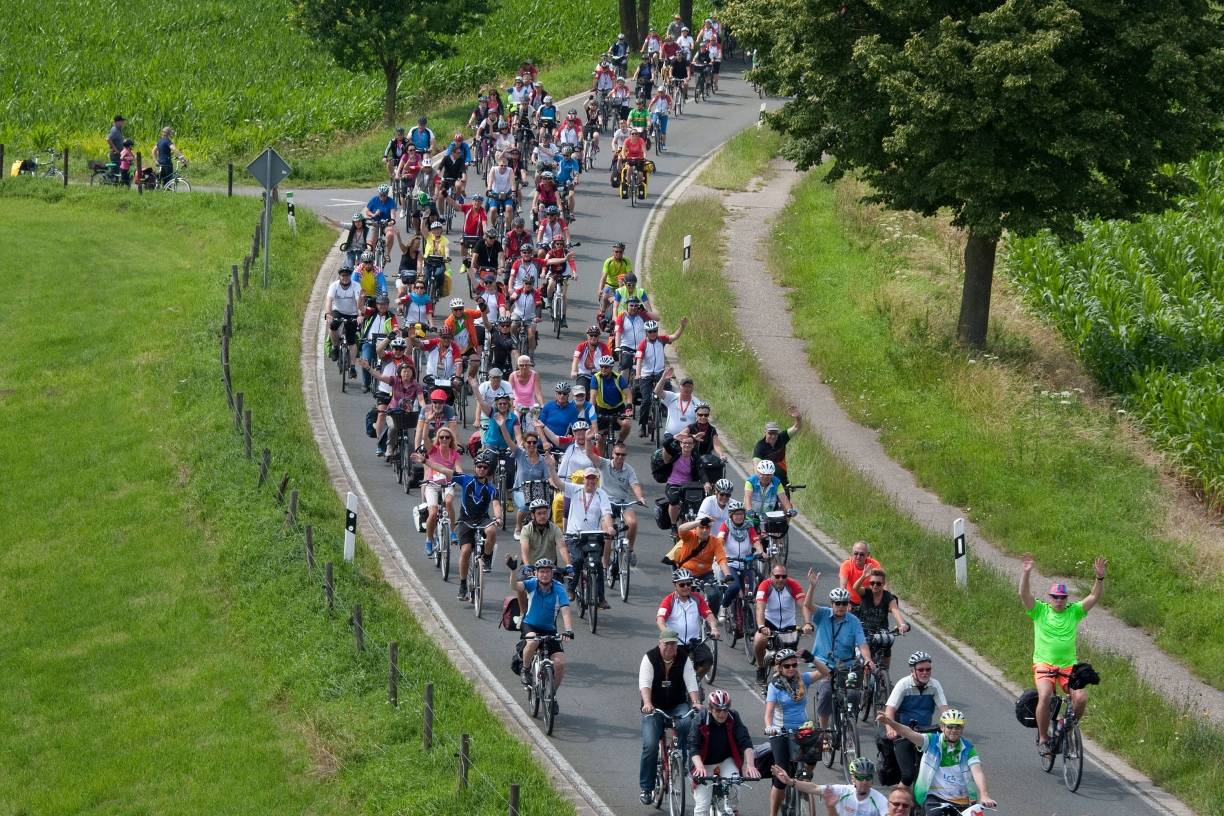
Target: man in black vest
<point x="668" y="684"/>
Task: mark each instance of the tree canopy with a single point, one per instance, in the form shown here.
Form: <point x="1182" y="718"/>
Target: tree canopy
<point x="387" y="35"/>
<point x="1016" y="116"/>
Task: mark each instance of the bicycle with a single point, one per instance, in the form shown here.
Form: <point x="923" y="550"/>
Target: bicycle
<point x="877" y="684"/>
<point x="843" y="733"/>
<point x="344" y="356"/>
<point x="620" y="568"/>
<point x="475" y="573"/>
<point x="741" y="612"/>
<point x="1065" y="739"/>
<point x="590" y="549"/>
<point x="381" y="256"/>
<point x="671" y="763"/>
<point x="558" y="305"/>
<point x="720" y="800"/>
<point x="405" y="431"/>
<point x="543" y="687"/>
<point x="678" y="95"/>
<point x="177" y="183"/>
<point x="105" y="174"/>
<point x="633" y="182"/>
<point x="42" y="168"/>
<point x="785" y="638"/>
<point x="805" y="744"/>
<point x="442" y="535"/>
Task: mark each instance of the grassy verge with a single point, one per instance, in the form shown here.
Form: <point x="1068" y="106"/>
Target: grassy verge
<point x="1128" y="717"/>
<point x="744" y="157"/>
<point x="162" y="622"/>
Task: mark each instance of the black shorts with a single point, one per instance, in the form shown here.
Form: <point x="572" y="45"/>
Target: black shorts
<point x="700" y="654"/>
<point x="467" y="529"/>
<point x="550" y="647"/>
<point x="349" y="324"/>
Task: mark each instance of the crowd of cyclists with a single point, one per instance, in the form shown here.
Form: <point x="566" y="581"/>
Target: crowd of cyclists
<point x="455" y="387"/>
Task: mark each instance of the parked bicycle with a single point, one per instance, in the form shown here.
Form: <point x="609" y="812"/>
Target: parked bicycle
<point x="40" y="167"/>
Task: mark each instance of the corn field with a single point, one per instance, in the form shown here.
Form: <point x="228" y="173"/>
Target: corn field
<point x="1143" y="305"/>
<point x="232" y="77"/>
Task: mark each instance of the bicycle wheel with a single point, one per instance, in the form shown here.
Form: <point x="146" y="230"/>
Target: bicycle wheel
<point x="549" y="694"/>
<point x="444" y="548"/>
<point x="656" y="422"/>
<point x="883" y="688"/>
<point x="661" y="772"/>
<point x="850" y="745"/>
<point x="633" y="188"/>
<point x="557" y="306"/>
<point x="784" y="547"/>
<point x="476" y="582"/>
<point x="675" y="788"/>
<point x="581" y="594"/>
<point x="592" y="603"/>
<point x="1072" y="747"/>
<point x="535" y="690"/>
<point x="1047" y="761"/>
<point x="625" y="569"/>
<point x="750" y="628"/>
<point x="834" y="739"/>
<point x="343" y="363"/>
<point x="177" y="185"/>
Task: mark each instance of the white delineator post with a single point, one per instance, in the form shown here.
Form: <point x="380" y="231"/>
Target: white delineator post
<point x="761" y="116"/>
<point x="350" y="528"/>
<point x="292" y="213"/>
<point x="688" y="253"/>
<point x="960" y="553"/>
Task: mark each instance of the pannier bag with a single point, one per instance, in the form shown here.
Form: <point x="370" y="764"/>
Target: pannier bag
<point x="1026" y="708"/>
<point x="661" y="517"/>
<point x="422" y="511"/>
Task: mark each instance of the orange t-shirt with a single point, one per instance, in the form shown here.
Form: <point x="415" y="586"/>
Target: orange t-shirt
<point x="850" y="574"/>
<point x="699" y="563"/>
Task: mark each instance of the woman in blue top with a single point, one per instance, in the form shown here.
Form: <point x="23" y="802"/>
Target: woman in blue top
<point x="785" y="708"/>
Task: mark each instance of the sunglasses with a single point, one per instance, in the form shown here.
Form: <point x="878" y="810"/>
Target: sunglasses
<point x="876" y="583"/>
<point x="781" y="577"/>
<point x="841" y="603"/>
<point x="790" y="665"/>
<point x="482" y="467"/>
<point x="1059" y="597"/>
<point x="703" y="416"/>
<point x="529" y="441"/>
<point x="900" y="805"/>
<point x="685" y="585"/>
<point x="859" y="554"/>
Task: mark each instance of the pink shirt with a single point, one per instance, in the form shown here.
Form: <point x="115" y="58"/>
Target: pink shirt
<point x="524" y="394"/>
<point x="446" y="457"/>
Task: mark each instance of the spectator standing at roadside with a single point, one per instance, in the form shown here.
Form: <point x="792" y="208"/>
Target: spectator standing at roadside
<point x="164" y="153"/>
<point x="114" y="139"/>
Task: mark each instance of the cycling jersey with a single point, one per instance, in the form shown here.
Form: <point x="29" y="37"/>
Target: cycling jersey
<point x="684" y="617"/>
<point x="421" y="138"/>
<point x="652" y="355"/>
<point x="492" y="436"/>
<point x="567" y="169"/>
<point x="417" y="308"/>
<point x="343" y="298"/>
<point x="373" y="282"/>
<point x="464" y="332"/>
<point x="781" y="606"/>
<point x="631" y="328"/>
<point x="441" y="363"/>
<point x="588" y="356"/>
<point x="848" y="803"/>
<point x="608" y="392"/>
<point x="639" y="118"/>
<point x="381" y="207"/>
<point x="557" y="418"/>
<point x="614" y="271"/>
<point x="396" y="148"/>
<point x="379" y="325"/>
<point x="542" y="604"/>
<point x="475" y="497"/>
<point x="604" y="79"/>
<point x="436" y="247"/>
<point x="764" y="499"/>
<point x="1054" y="633"/>
<point x="916" y="706"/>
<point x="634" y="148"/>
<point x="717" y="512"/>
<point x="551" y="228"/>
<point x="548" y="113"/>
<point x="622" y="295"/>
<point x="945" y="771"/>
<point x="738" y="540"/>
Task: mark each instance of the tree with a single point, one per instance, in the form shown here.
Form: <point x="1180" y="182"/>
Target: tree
<point x="643" y="22"/>
<point x="1014" y="116"/>
<point x="628" y="22"/>
<point x="386" y="35"/>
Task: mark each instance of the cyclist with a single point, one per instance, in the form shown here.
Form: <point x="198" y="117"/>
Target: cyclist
<point x="544" y="598"/>
<point x="685" y="41"/>
<point x="761" y="490"/>
<point x="705" y="435"/>
<point x="668" y="51"/>
<point x="355" y="241"/>
<point x="627" y="292"/>
<point x="530" y="465"/>
<point x="406" y="171"/>
<point x="916" y="700"/>
<point x="612" y="276"/>
<point x="559" y="266"/>
<point x="681" y="405"/>
<point x="438" y="415"/>
<point x="666" y="682"/>
<point x="442" y="463"/>
<point x="621" y="482"/>
<point x="545" y="195"/>
<point x="622" y="99"/>
<point x="839" y="636"/>
<point x="523" y="300"/>
<point x="682" y="470"/>
<point x="683" y="611"/>
<point x="589" y="509"/>
<point x="698" y="549"/>
<point x="382" y="208"/>
<point x="540" y="537"/>
<point x="568" y="171"/>
<point x="546" y="119"/>
<point x="395" y="150"/>
<point x="651" y="362"/>
<point x="1054" y="629"/>
<point x="674" y="27"/>
<point x="716" y="56"/>
<point x="680" y="69"/>
<point x="164" y="153"/>
<point x="479" y="506"/>
<point x="570" y="131"/>
<point x="591" y="125"/>
<point x="875" y="607"/>
<point x="720" y="742"/>
<point x="422" y="137"/>
<point x="341" y="309"/>
<point x="519" y="93"/>
<point x="618" y="54"/>
<point x="468" y="336"/>
<point x="491" y="390"/>
<point x="856" y="799"/>
<point x="772" y="445"/>
<point x="951" y="770"/>
<point x="519" y="244"/>
<point x="639" y="117"/>
<point x="586" y="411"/>
<point x="528" y="71"/>
<point x="785" y="708"/>
<point x="718" y="504"/>
<point x="644" y="79"/>
<point x="740" y="541"/>
<point x="660" y="110"/>
<point x="374" y="329"/>
<point x="612" y="397"/>
<point x="552" y="227"/>
<point x="475" y="223"/>
<point x="486" y="261"/>
<point x="452" y="173"/>
<point x="587" y="355"/>
<point x="633" y="154"/>
<point x="373" y="281"/>
<point x="618" y="141"/>
<point x="603" y="78"/>
<point x="500" y="189"/>
<point x="651" y="45"/>
<point x="855" y="571"/>
<point x="443" y="358"/>
<point x="778" y="601"/>
<point x="500" y="436"/>
<point x="629" y="331"/>
<point x="703" y="64"/>
<point x="560" y="413"/>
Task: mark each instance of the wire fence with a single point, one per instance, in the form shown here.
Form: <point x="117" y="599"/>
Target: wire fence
<point x="415" y="702"/>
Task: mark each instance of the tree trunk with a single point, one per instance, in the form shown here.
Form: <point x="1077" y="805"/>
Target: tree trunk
<point x="628" y="22"/>
<point x="391" y="71"/>
<point x="975" y="296"/>
<point x="643" y="22"/>
<point x="686" y="16"/>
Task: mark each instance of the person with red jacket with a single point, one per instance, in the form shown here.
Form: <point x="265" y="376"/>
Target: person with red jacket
<point x="720" y="744"/>
<point x="586" y="357"/>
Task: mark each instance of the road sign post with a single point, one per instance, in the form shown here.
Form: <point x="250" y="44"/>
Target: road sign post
<point x="960" y="553"/>
<point x="688" y="252"/>
<point x="269" y="169"/>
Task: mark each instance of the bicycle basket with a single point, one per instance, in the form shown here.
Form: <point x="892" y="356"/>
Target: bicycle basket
<point x="776" y="523"/>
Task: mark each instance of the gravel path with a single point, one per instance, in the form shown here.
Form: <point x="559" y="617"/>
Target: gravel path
<point x="750" y="217"/>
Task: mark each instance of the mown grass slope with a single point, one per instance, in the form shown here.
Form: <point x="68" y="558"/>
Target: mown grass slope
<point x="166" y="650"/>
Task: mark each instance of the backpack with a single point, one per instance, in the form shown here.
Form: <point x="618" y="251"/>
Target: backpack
<point x="516" y="662"/>
<point x="1026" y="708"/>
<point x="370" y="419"/>
<point x="660" y="470"/>
<point x="510" y="616"/>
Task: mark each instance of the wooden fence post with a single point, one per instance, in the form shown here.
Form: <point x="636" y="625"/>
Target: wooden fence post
<point x="238" y="410"/>
<point x="358" y="628"/>
<point x="265" y="461"/>
<point x="139" y="175"/>
<point x="465" y="762"/>
<point x="230" y="194"/>
<point x="328" y="588"/>
<point x="291" y="516"/>
<point x="310" y="562"/>
<point x="65" y="167"/>
<point x="280" y="490"/>
<point x="514" y="800"/>
<point x="393" y="678"/>
<point x="246" y="271"/>
<point x="246" y="432"/>
<point x="234" y="277"/>
<point x="427" y="718"/>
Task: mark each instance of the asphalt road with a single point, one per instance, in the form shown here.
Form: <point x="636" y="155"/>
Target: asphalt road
<point x="598" y="727"/>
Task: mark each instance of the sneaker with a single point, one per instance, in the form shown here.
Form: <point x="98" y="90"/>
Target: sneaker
<point x="525" y="676"/>
<point x="1043" y="748"/>
<point x="379" y="452"/>
<point x="646" y="797"/>
<point x="632" y="558"/>
<point x="564" y="323"/>
<point x="603" y="604"/>
<point x="487" y="562"/>
<point x="642" y="432"/>
<point x="352" y="372"/>
<point x="463" y="592"/>
<point x="556" y="709"/>
<point x="760" y="676"/>
<point x="429" y="548"/>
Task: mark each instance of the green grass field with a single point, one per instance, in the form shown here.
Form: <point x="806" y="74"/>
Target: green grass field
<point x="1152" y="733"/>
<point x="234" y="77"/>
<point x="166" y="650"/>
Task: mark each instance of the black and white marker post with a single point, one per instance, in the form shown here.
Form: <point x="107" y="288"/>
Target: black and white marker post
<point x="960" y="553"/>
<point x="688" y="253"/>
<point x="292" y="212"/>
<point x="350" y="528"/>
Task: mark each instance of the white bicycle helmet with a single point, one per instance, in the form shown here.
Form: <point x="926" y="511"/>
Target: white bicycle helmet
<point x="681" y="575"/>
<point x="839" y="595"/>
<point x="456" y="303"/>
<point x="919" y="657"/>
<point x="723" y="486"/>
<point x="651" y="325"/>
<point x="607" y="360"/>
<point x="765" y="467"/>
<point x="784" y="654"/>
